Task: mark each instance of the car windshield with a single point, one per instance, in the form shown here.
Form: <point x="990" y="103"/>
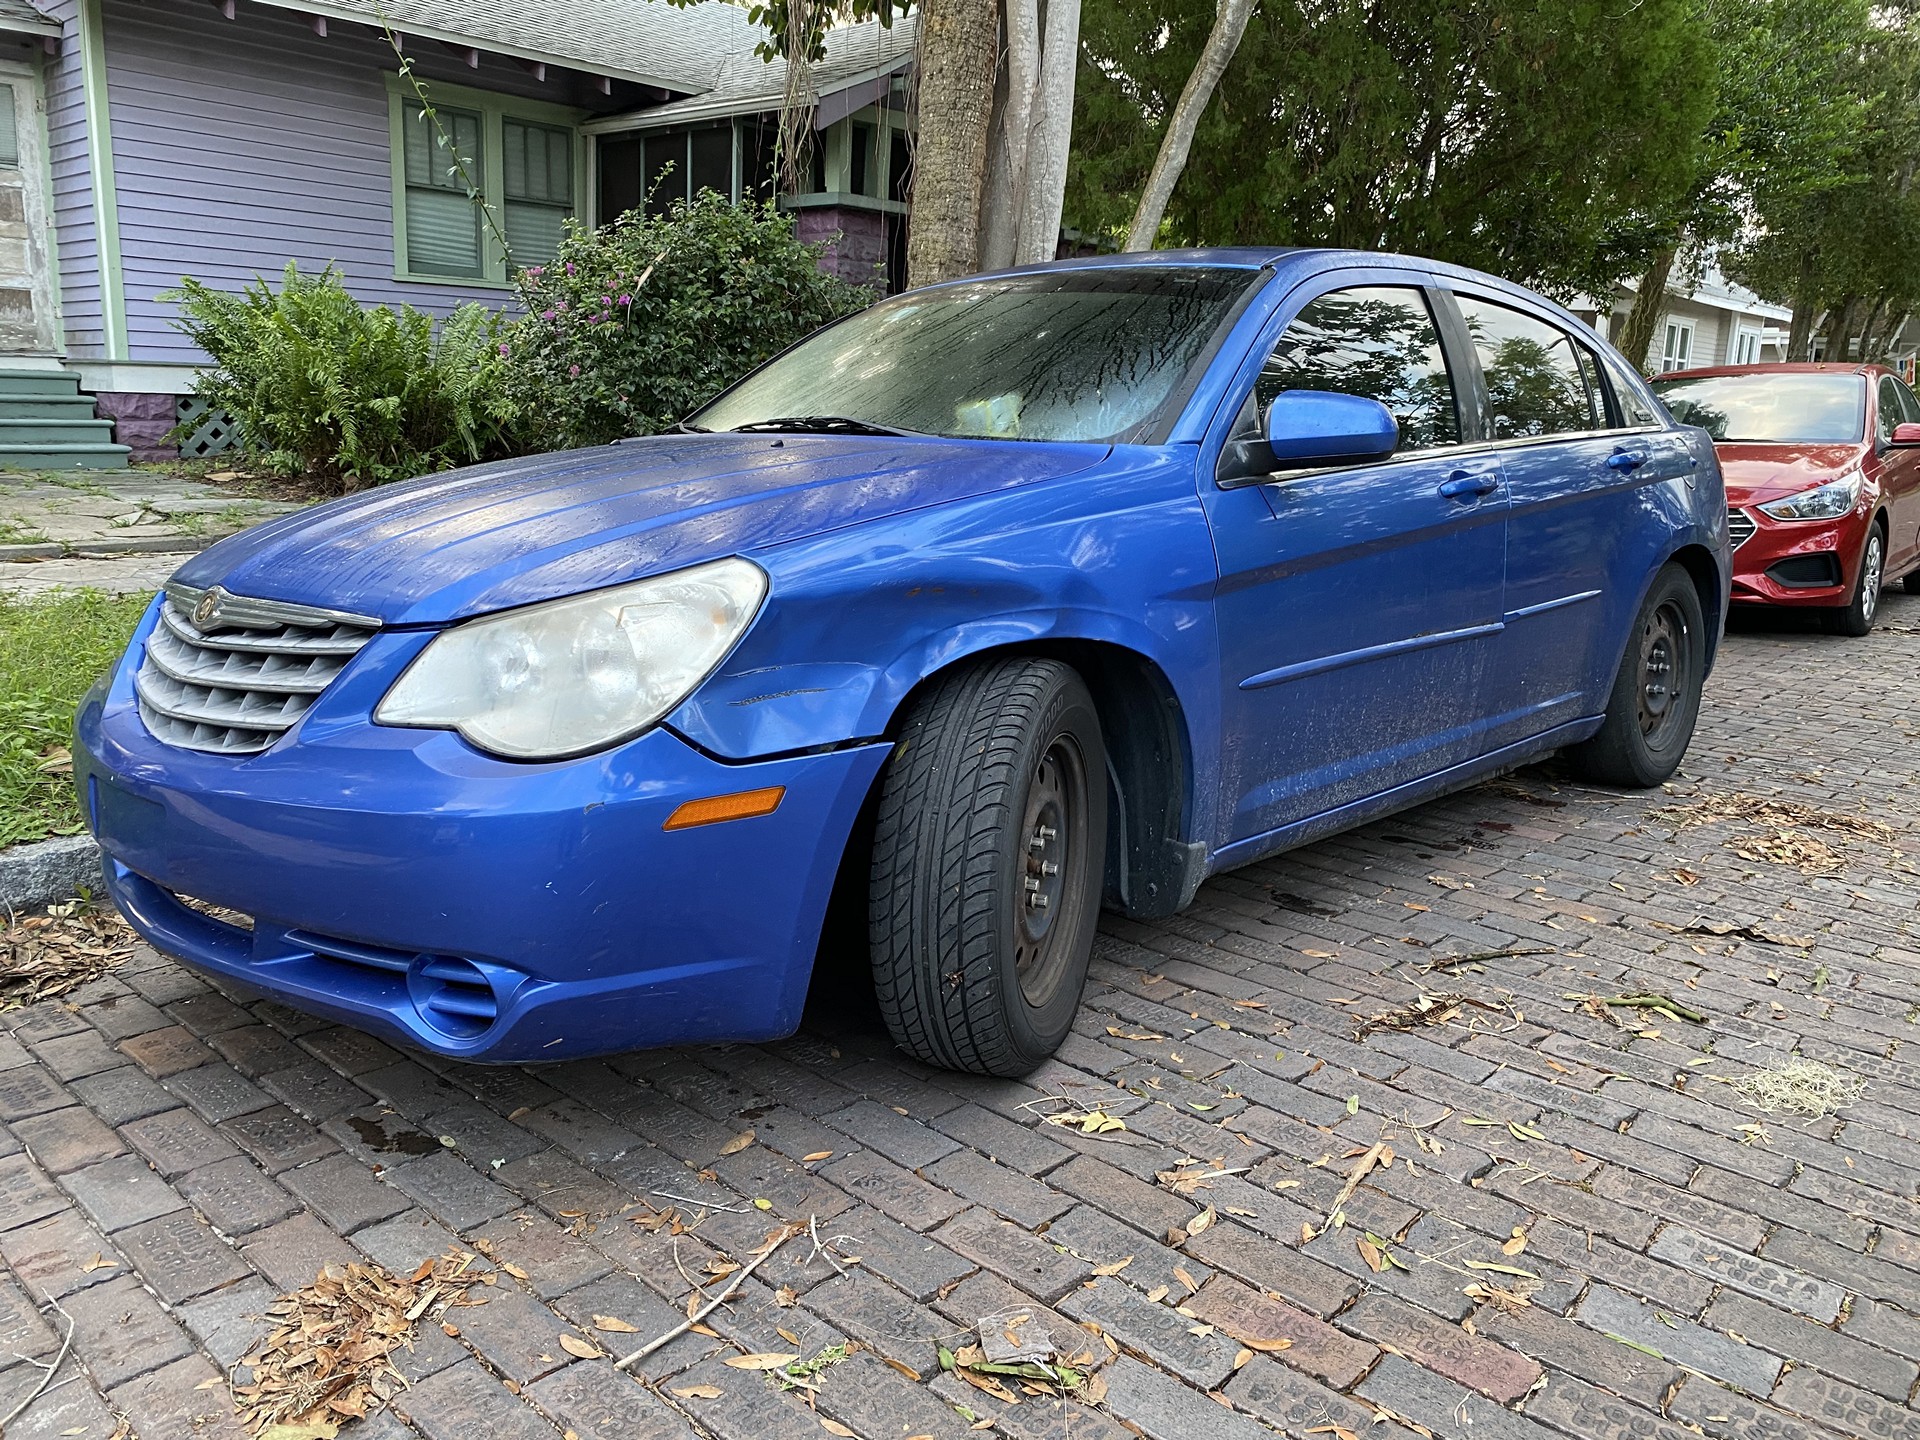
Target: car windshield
<point x="1096" y="354"/>
<point x="1780" y="406"/>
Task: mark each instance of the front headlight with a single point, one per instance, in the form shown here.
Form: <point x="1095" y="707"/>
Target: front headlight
<point x="1825" y="502"/>
<point x="577" y="675"/>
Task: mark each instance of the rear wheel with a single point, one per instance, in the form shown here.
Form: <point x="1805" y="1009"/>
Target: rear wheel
<point x="1857" y="616"/>
<point x="1656" y="694"/>
<point x="988" y="855"/>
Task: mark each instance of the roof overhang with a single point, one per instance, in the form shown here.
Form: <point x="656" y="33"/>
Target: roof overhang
<point x="36" y="25"/>
<point x="855" y="92"/>
<point x="359" y="15"/>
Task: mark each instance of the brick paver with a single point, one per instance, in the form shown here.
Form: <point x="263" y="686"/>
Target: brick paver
<point x="1583" y="1232"/>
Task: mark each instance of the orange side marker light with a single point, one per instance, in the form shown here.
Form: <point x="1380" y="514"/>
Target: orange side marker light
<point x="743" y="805"/>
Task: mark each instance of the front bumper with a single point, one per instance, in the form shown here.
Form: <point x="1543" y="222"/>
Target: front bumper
<point x="402" y="882"/>
<point x="1799" y="562"/>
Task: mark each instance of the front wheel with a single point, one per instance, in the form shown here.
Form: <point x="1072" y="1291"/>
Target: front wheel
<point x="1656" y="694"/>
<point x="1857" y="616"/>
<point x="988" y="855"/>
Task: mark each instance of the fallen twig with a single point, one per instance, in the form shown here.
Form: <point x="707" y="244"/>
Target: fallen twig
<point x="1452" y="962"/>
<point x="46" y="1380"/>
<point x="1376" y="1154"/>
<point x="699" y="1204"/>
<point x="787" y="1232"/>
<point x="1665" y="1004"/>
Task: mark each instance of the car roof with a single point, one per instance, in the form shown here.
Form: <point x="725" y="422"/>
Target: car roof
<point x="1779" y="367"/>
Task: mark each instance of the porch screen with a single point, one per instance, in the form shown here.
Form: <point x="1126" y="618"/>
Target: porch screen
<point x="443" y="223"/>
<point x="539" y="169"/>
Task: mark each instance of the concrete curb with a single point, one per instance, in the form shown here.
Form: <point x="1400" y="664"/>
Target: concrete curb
<point x="47" y="871"/>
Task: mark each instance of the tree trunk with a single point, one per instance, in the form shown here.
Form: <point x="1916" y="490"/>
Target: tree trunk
<point x="1890" y="337"/>
<point x="1840" y="329"/>
<point x="1869" y="331"/>
<point x="1636" y="336"/>
<point x="958" y="57"/>
<point x="1806" y="311"/>
<point x="1049" y="134"/>
<point x="1013" y="118"/>
<point x="1229" y="24"/>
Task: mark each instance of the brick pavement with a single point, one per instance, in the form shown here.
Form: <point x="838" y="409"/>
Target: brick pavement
<point x="170" y="1159"/>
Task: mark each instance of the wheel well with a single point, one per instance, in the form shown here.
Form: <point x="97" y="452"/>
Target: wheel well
<point x="1151" y="869"/>
<point x="1697" y="560"/>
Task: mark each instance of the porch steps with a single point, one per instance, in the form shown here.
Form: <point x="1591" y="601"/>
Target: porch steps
<point x="47" y="424"/>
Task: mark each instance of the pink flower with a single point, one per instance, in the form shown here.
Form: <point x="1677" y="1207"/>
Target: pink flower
<point x="536" y="270"/>
<point x="570" y="267"/>
<point x="573" y="372"/>
<point x="546" y="314"/>
<point x="626" y="299"/>
<point x="504" y="349"/>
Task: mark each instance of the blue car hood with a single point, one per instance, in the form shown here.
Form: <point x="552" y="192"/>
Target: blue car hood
<point x="493" y="536"/>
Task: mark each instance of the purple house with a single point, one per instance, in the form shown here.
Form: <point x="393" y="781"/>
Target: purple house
<point x="222" y="138"/>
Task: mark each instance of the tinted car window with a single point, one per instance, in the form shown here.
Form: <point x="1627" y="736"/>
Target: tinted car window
<point x="1095" y="354"/>
<point x="1534" y="383"/>
<point x="1376" y="341"/>
<point x="1771" y="407"/>
<point x="1909" y="406"/>
<point x="1891" y="412"/>
<point x="1633" y="409"/>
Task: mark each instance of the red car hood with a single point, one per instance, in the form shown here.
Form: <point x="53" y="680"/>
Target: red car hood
<point x="1758" y="473"/>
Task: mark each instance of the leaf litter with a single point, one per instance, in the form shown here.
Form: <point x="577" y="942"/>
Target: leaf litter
<point x="327" y="1359"/>
<point x="46" y="956"/>
<point x="1779" y="832"/>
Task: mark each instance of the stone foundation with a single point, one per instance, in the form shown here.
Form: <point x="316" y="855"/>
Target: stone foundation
<point x="140" y="421"/>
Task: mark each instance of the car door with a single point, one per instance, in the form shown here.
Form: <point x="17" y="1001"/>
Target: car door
<point x="1580" y="457"/>
<point x="1357" y="605"/>
<point x="1899" y="473"/>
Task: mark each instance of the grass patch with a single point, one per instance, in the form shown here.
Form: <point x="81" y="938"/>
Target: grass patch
<point x="1799" y="1087"/>
<point x="51" y="649"/>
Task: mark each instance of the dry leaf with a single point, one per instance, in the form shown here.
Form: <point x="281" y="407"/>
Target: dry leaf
<point x="766" y="1360"/>
<point x="614" y="1325"/>
<point x="1180" y="1274"/>
<point x="737" y="1143"/>
<point x="1115" y="1268"/>
<point x="834" y="1427"/>
<point x="585" y="1349"/>
<point x="99" y="1262"/>
<point x="1242" y="1357"/>
<point x="699" y="1392"/>
<point x="815" y="1156"/>
<point x="1370" y="1253"/>
<point x="1265" y="1346"/>
<point x="1200" y="1222"/>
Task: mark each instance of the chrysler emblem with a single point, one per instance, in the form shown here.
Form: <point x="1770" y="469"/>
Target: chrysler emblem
<point x="207" y="613"/>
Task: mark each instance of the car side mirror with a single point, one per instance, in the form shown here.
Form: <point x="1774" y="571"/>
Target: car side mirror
<point x="1309" y="428"/>
<point x="1906" y="433"/>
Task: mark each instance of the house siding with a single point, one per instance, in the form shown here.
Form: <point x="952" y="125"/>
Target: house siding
<point x="240" y="145"/>
<point x="75" y="248"/>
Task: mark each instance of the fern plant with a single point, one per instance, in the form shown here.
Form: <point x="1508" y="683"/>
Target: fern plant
<point x="318" y="383"/>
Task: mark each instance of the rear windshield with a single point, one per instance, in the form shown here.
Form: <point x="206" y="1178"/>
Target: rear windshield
<point x="1095" y="354"/>
<point x="1783" y="407"/>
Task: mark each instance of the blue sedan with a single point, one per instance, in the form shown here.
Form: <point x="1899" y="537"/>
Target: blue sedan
<point x="999" y="602"/>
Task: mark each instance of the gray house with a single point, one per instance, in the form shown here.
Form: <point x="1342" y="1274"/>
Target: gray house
<point x="223" y="138"/>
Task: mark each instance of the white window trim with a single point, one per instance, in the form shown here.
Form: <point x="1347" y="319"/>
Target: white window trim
<point x="1676" y="356"/>
<point x="494" y="110"/>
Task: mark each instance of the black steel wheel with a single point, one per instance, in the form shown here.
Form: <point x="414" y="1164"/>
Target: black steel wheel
<point x="1655" y="700"/>
<point x="988" y="856"/>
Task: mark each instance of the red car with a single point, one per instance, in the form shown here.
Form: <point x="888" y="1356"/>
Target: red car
<point x="1822" y="464"/>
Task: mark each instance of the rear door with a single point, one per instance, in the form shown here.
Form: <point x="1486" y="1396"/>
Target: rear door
<point x="1580" y="468"/>
<point x="1357" y="605"/>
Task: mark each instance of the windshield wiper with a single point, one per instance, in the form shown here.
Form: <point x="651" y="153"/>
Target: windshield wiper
<point x="820" y="425"/>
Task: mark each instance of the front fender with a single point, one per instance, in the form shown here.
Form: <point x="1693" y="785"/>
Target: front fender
<point x="856" y="619"/>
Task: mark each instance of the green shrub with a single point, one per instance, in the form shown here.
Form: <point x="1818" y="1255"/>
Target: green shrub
<point x="318" y="383"/>
<point x="637" y="323"/>
<point x="50" y="651"/>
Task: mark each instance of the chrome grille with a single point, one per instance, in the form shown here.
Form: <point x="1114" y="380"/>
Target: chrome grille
<point x="231" y="675"/>
<point x="1740" y="527"/>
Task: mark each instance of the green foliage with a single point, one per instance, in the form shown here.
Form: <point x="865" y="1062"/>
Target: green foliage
<point x="50" y="652"/>
<point x="634" y="325"/>
<point x="786" y="21"/>
<point x="1845" y="239"/>
<point x="319" y="383"/>
<point x="1527" y="137"/>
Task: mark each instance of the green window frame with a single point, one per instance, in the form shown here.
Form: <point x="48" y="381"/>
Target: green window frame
<point x="525" y="158"/>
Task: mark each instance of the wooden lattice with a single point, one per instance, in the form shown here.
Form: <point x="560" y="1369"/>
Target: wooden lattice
<point x="207" y="431"/>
